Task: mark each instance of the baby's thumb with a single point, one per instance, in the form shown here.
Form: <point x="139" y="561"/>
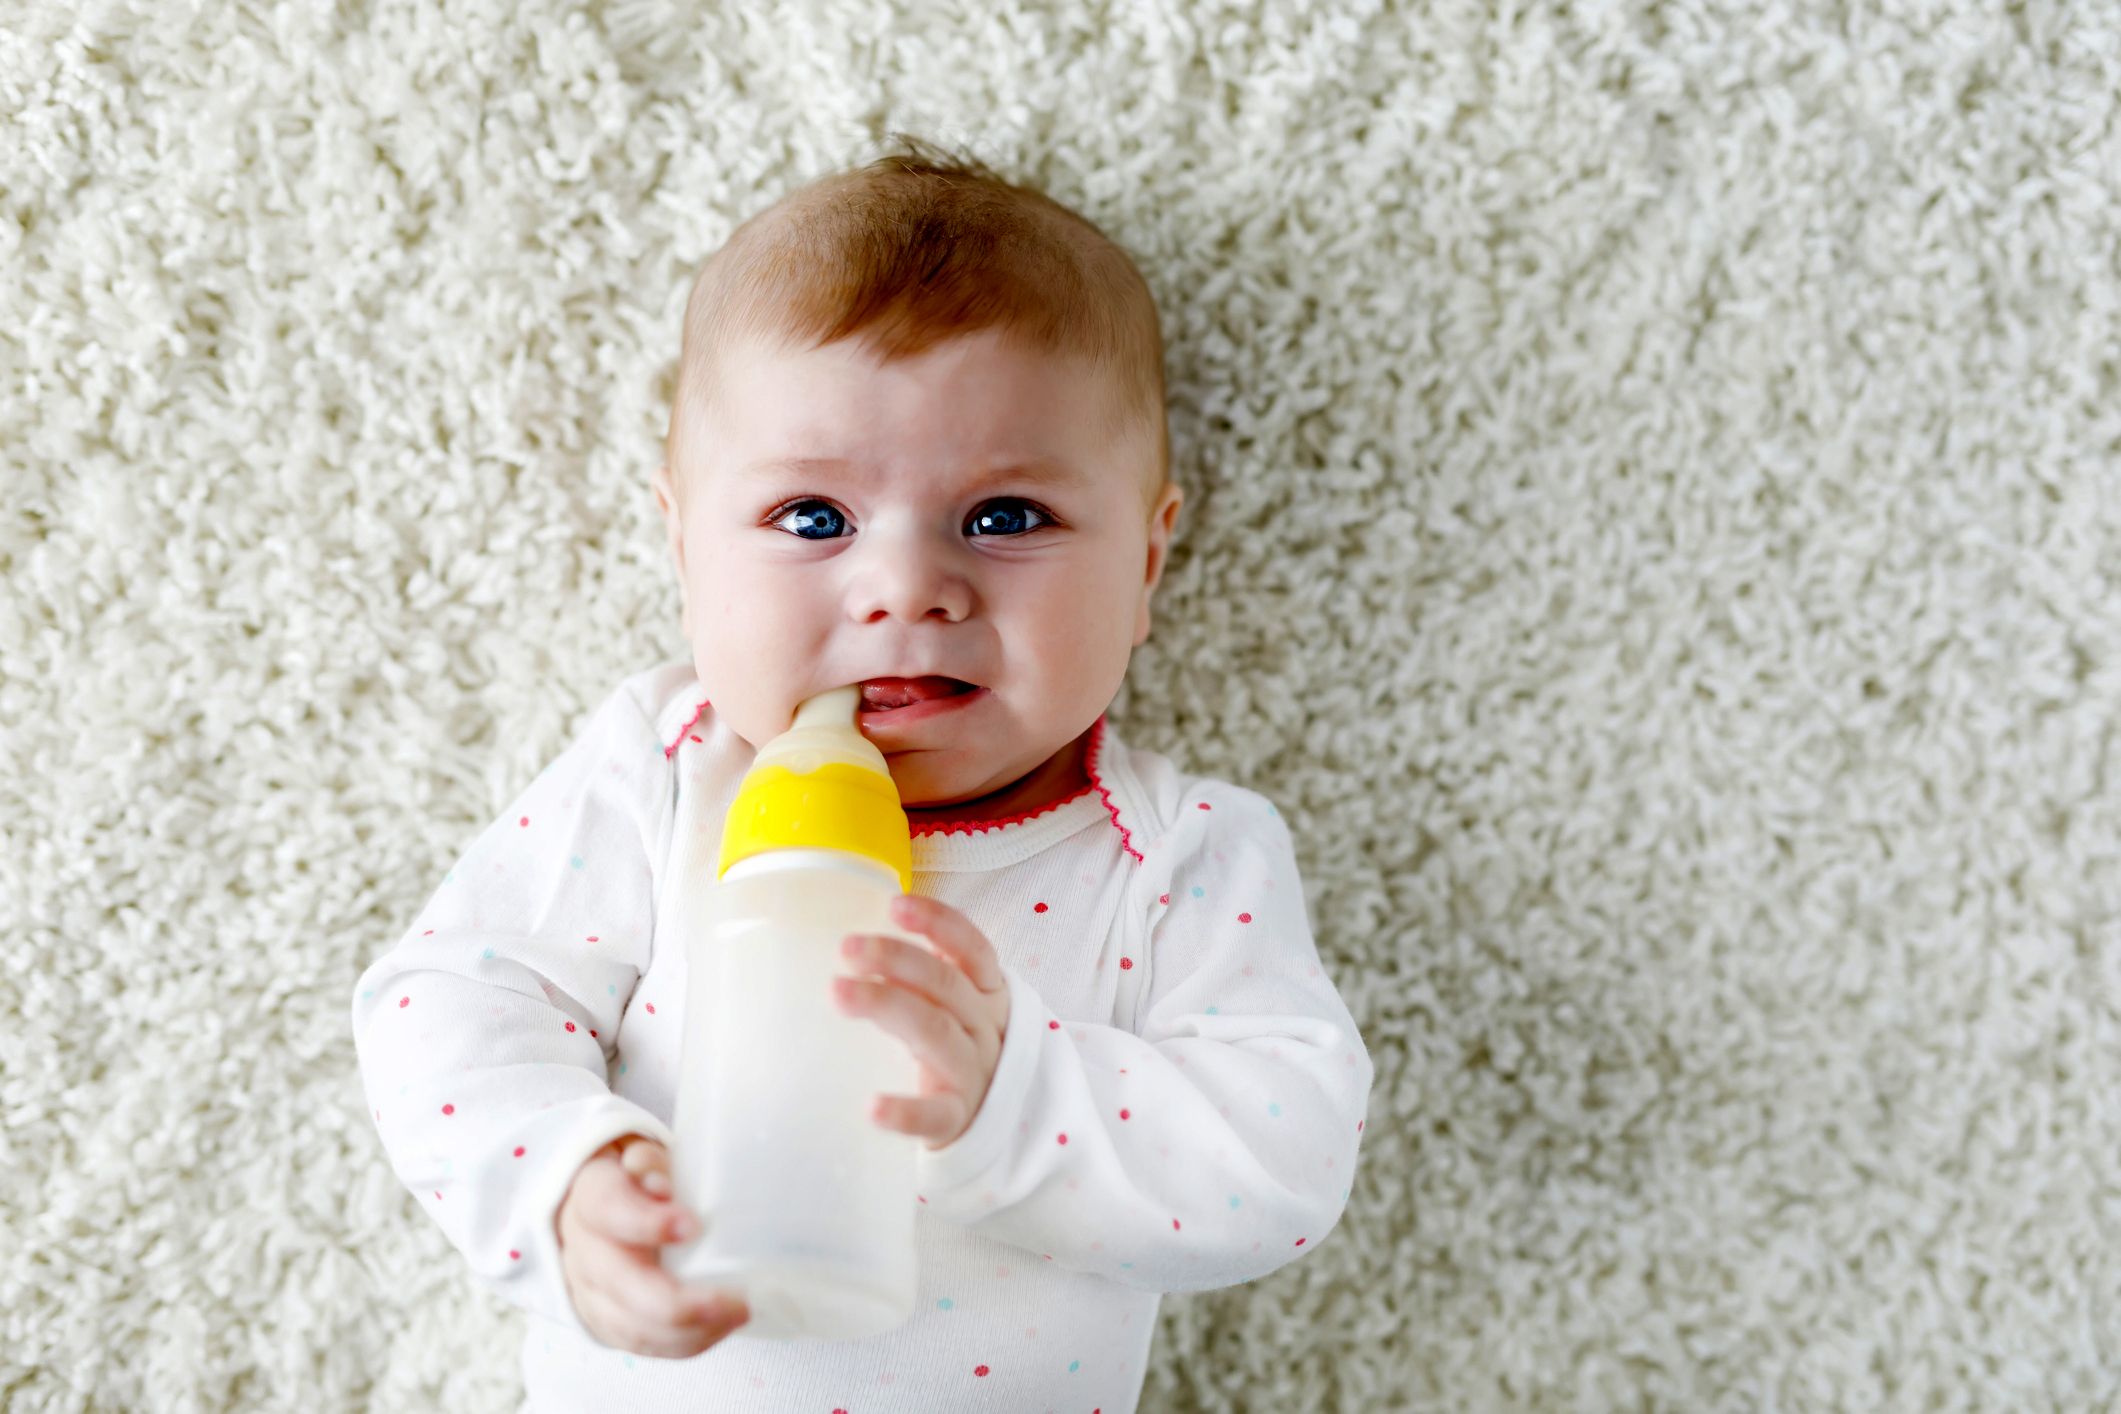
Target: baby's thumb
<point x="649" y="1164"/>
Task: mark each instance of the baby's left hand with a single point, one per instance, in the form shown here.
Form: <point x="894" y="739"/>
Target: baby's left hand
<point x="951" y="1011"/>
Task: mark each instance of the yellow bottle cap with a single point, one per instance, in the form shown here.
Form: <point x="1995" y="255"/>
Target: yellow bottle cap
<point x="820" y="785"/>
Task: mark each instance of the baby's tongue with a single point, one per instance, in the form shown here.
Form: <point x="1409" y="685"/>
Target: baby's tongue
<point x="881" y="694"/>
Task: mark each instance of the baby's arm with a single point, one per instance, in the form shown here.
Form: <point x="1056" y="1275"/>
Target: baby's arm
<point x="484" y="1035"/>
<point x="1216" y="1140"/>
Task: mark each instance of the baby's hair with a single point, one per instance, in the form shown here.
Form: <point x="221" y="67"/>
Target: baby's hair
<point x="919" y="246"/>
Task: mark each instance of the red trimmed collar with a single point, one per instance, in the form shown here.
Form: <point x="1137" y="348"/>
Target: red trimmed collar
<point x="1093" y="766"/>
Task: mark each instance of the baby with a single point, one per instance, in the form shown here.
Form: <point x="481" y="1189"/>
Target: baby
<point x="918" y="443"/>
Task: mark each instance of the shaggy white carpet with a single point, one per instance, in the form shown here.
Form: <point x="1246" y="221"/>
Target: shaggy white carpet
<point x="1653" y="530"/>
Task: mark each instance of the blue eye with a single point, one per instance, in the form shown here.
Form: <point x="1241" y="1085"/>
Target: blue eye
<point x="825" y="516"/>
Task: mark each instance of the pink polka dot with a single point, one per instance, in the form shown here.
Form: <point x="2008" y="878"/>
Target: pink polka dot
<point x="1163" y="898"/>
<point x="1053" y="1026"/>
<point x="524" y="821"/>
<point x="570" y="1026"/>
<point x="1358" y="1126"/>
<point x="1122" y="1114"/>
<point x="1063" y="1138"/>
<point x="1174" y="1224"/>
<point x="519" y="1151"/>
<point x="592" y="937"/>
<point x="514" y="1256"/>
<point x="1244" y="918"/>
<point x="428" y="934"/>
<point x="405" y="1001"/>
<point x="651" y="1008"/>
<point x="1204" y="805"/>
<point x="449" y="1109"/>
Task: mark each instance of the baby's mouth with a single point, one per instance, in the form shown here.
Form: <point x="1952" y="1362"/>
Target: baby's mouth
<point x="885" y="694"/>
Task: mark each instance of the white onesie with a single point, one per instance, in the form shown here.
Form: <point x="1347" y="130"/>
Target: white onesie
<point x="1177" y="1105"/>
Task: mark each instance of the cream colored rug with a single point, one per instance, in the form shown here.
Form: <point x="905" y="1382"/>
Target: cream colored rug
<point x="1654" y="514"/>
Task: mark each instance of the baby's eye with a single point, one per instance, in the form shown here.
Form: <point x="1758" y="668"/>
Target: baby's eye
<point x="998" y="522"/>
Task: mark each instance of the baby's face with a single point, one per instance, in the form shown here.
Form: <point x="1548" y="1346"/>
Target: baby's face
<point x="906" y="549"/>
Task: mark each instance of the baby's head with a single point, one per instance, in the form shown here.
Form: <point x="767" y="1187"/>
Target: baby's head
<point x="971" y="376"/>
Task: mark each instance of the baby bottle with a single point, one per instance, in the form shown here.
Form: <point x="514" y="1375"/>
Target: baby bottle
<point x="806" y="1203"/>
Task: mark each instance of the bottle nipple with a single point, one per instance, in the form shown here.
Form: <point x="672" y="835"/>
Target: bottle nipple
<point x="821" y="784"/>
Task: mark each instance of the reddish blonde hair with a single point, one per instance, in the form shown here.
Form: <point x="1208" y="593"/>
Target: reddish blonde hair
<point x="917" y="247"/>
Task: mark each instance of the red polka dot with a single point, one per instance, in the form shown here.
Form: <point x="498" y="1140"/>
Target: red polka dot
<point x="1163" y="898"/>
<point x="519" y="1151"/>
<point x="697" y="739"/>
<point x="428" y="934"/>
<point x="592" y="1031"/>
<point x="651" y="1008"/>
<point x="570" y="1026"/>
<point x="449" y="1109"/>
<point x="1123" y="1114"/>
<point x="1244" y="918"/>
<point x="1038" y="908"/>
<point x="592" y="937"/>
<point x="526" y="820"/>
<point x="404" y="1001"/>
<point x="1053" y="1026"/>
<point x="980" y="1370"/>
<point x="1063" y="1138"/>
<point x="1358" y="1126"/>
<point x="1300" y="1241"/>
<point x="1174" y="1224"/>
<point x="1126" y="963"/>
<point x="514" y="1256"/>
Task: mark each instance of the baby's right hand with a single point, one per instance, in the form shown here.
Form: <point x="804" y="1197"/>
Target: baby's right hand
<point x="614" y="1219"/>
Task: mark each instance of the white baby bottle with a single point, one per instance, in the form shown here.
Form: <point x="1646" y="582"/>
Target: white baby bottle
<point x="806" y="1203"/>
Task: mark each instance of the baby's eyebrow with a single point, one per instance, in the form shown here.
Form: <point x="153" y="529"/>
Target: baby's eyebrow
<point x="1044" y="471"/>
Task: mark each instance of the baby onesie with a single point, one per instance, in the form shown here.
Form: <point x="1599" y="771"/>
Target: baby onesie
<point x="1177" y="1105"/>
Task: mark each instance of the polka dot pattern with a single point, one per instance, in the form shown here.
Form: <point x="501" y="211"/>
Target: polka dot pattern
<point x="1219" y="928"/>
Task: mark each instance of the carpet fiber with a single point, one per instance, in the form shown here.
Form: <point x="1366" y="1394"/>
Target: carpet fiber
<point x="1652" y="528"/>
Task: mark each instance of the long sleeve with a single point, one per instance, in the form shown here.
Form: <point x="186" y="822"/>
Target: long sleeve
<point x="1214" y="1141"/>
<point x="485" y="1034"/>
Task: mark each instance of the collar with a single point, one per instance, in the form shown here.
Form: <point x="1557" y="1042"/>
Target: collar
<point x="1116" y="797"/>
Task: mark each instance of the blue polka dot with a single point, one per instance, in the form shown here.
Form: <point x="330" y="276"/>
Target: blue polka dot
<point x="1272" y="811"/>
<point x="1126" y="1264"/>
<point x="450" y="875"/>
<point x="1274" y="1110"/>
<point x="576" y="861"/>
<point x="611" y="990"/>
<point x="1199" y="892"/>
<point x="629" y="1362"/>
<point x="487" y="953"/>
<point x="945" y="1304"/>
<point x="1233" y="1200"/>
<point x="622" y="1067"/>
<point x="366" y="995"/>
<point x="1211" y="1011"/>
<point x="1074" y="1365"/>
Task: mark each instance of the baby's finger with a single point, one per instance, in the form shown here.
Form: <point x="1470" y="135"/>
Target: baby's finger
<point x="615" y="1207"/>
<point x="639" y="1307"/>
<point x="649" y="1163"/>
